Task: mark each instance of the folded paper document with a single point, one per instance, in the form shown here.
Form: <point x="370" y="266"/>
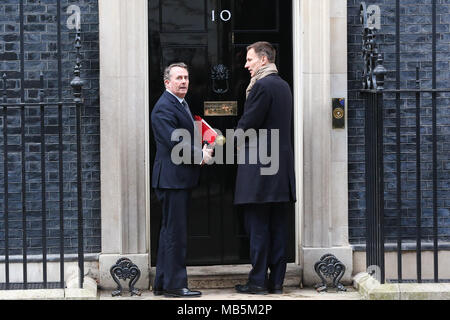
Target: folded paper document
<point x="207" y="133"/>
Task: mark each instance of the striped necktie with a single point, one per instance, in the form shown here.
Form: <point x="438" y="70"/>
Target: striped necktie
<point x="186" y="107"/>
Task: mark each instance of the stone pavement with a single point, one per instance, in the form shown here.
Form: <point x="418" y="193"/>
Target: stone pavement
<point x="290" y="293"/>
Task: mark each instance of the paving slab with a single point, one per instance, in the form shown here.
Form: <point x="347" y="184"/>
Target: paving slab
<point x="372" y="289"/>
<point x="290" y="293"/>
<point x="32" y="294"/>
<point x="424" y="291"/>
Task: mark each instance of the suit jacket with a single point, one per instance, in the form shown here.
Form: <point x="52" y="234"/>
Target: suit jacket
<point x="168" y="115"/>
<point x="268" y="106"/>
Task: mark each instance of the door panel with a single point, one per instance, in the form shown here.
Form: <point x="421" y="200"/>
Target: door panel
<point x="255" y="15"/>
<point x="207" y="34"/>
<point x="192" y="14"/>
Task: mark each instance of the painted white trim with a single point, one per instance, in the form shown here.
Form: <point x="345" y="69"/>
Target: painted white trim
<point x="297" y="34"/>
<point x="147" y="140"/>
<point x="123" y="132"/>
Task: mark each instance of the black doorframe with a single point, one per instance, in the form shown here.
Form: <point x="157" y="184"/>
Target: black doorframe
<point x="295" y="215"/>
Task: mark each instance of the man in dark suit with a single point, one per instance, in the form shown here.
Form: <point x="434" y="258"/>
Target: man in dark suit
<point x="171" y="120"/>
<point x="265" y="195"/>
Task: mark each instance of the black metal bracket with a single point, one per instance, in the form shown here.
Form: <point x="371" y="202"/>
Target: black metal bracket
<point x="329" y="267"/>
<point x="125" y="269"/>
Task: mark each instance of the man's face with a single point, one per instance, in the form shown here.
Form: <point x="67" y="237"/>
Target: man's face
<point x="178" y="82"/>
<point x="254" y="62"/>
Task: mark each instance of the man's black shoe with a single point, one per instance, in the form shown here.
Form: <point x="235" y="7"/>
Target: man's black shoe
<point x="276" y="290"/>
<point x="158" y="292"/>
<point x="250" y="289"/>
<point x="182" y="293"/>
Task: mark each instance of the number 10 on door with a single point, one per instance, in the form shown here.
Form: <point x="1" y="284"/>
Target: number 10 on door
<point x="225" y="15"/>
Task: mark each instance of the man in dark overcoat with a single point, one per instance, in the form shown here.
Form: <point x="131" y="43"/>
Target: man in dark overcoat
<point x="173" y="177"/>
<point x="265" y="189"/>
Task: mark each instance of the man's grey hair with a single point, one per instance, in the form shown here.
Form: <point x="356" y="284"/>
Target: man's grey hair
<point x="169" y="68"/>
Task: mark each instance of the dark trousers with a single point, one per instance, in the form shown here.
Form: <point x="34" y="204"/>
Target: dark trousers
<point x="171" y="259"/>
<point x="266" y="225"/>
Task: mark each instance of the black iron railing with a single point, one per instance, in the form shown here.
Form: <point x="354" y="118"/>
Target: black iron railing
<point x="52" y="114"/>
<point x="376" y="96"/>
<point x="373" y="81"/>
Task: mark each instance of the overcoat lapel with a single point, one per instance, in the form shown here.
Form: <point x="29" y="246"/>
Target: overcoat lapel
<point x="178" y="105"/>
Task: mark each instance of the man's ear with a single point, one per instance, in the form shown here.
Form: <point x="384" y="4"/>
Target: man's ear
<point x="166" y="83"/>
<point x="264" y="60"/>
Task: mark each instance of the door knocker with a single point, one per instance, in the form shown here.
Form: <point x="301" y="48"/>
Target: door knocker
<point x="220" y="76"/>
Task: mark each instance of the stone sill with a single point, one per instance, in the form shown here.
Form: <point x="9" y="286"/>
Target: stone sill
<point x="72" y="292"/>
<point x="371" y="289"/>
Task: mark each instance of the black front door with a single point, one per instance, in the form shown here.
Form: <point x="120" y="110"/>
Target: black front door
<point x="211" y="37"/>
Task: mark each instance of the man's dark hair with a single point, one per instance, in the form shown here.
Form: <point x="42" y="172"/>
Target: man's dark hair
<point x="263" y="48"/>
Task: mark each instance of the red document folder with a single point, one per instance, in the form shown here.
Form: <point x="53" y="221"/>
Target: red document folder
<point x="206" y="131"/>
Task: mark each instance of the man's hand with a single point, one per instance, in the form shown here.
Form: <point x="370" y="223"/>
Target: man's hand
<point x="207" y="153"/>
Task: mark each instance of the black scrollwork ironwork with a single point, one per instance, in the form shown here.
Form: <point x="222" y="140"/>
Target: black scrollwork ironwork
<point x="374" y="71"/>
<point x="329" y="267"/>
<point x="125" y="269"/>
<point x="220" y="79"/>
<point x="77" y="83"/>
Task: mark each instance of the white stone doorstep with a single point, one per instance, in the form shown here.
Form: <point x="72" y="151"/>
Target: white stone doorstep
<point x="371" y="289"/>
